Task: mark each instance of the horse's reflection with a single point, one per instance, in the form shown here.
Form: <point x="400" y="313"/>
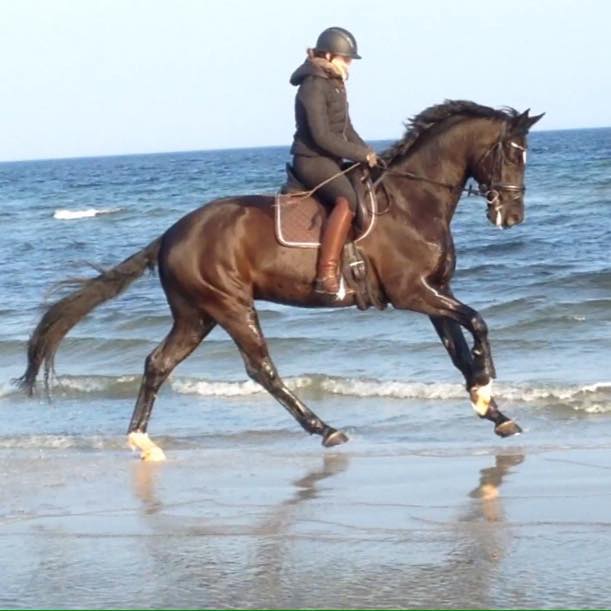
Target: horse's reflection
<point x="144" y="475"/>
<point x="306" y="486"/>
<point x="487" y="495"/>
<point x="276" y="540"/>
<point x="268" y="545"/>
<point x="481" y="540"/>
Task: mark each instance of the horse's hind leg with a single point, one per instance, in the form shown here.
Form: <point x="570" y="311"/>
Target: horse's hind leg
<point x="242" y="323"/>
<point x="186" y="334"/>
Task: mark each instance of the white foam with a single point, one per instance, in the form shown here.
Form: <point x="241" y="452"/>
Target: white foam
<point x="94" y="384"/>
<point x="398" y="390"/>
<point x="63" y="214"/>
<point x="223" y="389"/>
<point x="230" y="389"/>
<point x="584" y="398"/>
<point x="6" y="389"/>
<point x="560" y="393"/>
<point x="59" y="442"/>
<point x="590" y="398"/>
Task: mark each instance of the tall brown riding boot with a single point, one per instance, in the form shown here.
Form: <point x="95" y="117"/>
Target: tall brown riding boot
<point x="333" y="239"/>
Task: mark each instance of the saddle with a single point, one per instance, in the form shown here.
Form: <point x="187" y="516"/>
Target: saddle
<point x="299" y="221"/>
<point x="300" y="217"/>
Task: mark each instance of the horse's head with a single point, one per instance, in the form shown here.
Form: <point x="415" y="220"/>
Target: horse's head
<point x="500" y="171"/>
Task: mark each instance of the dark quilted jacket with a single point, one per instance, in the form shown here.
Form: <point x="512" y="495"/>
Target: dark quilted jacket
<point x="321" y="114"/>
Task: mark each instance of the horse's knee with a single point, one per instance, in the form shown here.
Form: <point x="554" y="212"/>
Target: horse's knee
<point x="155" y="365"/>
<point x="479" y="326"/>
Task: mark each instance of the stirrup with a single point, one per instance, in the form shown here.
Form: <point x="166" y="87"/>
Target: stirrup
<point x="319" y="285"/>
<point x="342" y="291"/>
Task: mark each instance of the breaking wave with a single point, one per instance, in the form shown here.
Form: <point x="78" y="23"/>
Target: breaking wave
<point x="62" y="214"/>
<point x="590" y="398"/>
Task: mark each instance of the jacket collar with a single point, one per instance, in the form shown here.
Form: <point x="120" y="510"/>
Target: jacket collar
<point x="315" y="66"/>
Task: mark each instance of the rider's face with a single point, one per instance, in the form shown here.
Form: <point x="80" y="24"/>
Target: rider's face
<point x="343" y="63"/>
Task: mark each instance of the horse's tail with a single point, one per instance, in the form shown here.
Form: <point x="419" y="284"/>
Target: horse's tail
<point x="68" y="311"/>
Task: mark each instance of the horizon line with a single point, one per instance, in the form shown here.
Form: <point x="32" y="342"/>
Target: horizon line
<point x="227" y="148"/>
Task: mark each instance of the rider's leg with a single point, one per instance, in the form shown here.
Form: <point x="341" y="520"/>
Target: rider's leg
<point x="333" y="239"/>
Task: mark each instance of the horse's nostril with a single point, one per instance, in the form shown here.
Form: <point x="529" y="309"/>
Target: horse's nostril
<point x="514" y="219"/>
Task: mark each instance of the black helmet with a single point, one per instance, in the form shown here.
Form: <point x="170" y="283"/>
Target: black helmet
<point x="338" y="42"/>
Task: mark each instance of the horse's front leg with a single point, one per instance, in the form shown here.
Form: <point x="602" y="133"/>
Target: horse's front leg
<point x="476" y="364"/>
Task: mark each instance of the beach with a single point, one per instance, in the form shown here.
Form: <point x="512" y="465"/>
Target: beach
<point x="257" y="528"/>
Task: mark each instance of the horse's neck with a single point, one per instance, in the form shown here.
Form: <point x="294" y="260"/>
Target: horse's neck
<point x="445" y="159"/>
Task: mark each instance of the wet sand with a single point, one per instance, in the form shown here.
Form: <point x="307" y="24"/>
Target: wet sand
<point x="255" y="527"/>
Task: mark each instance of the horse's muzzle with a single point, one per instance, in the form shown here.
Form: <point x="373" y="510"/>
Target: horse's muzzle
<point x="502" y="218"/>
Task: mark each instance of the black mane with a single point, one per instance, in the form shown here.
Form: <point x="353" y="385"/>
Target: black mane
<point x="421" y="123"/>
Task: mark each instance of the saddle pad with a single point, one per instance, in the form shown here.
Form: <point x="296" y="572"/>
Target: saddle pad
<point x="300" y="220"/>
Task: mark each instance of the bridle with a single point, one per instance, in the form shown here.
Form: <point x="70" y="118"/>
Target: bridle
<point x="490" y="192"/>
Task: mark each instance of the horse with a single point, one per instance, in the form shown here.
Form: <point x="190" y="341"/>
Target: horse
<point x="217" y="260"/>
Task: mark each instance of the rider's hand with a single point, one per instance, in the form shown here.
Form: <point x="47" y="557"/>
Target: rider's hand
<point x="372" y="160"/>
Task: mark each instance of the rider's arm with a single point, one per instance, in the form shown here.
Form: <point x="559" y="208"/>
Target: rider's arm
<point x="312" y="97"/>
<point x="352" y="135"/>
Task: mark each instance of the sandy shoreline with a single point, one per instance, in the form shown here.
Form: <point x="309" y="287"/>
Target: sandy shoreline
<point x="237" y="528"/>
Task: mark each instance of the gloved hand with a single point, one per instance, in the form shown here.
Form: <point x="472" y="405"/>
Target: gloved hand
<point x="372" y="160"/>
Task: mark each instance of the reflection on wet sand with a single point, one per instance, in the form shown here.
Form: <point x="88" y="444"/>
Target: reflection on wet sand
<point x="482" y="540"/>
<point x="490" y="481"/>
<point x="144" y="475"/>
<point x="285" y="553"/>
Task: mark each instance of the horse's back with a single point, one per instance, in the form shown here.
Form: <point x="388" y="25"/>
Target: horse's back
<point x="217" y="219"/>
<point x="219" y="234"/>
<point x="230" y="245"/>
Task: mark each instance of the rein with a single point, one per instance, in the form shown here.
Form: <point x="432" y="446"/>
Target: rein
<point x="305" y="194"/>
<point x="406" y="174"/>
<point x="491" y="193"/>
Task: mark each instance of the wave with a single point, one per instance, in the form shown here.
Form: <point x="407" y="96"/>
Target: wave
<point x="65" y="441"/>
<point x="589" y="398"/>
<point x="74" y="386"/>
<point x="61" y="442"/>
<point x="365" y="388"/>
<point x="111" y="386"/>
<point x="63" y="214"/>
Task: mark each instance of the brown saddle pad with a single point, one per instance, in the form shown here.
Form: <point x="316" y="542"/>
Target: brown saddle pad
<point x="300" y="220"/>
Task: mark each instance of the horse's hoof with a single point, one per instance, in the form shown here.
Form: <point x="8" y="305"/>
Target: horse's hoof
<point x="149" y="450"/>
<point x="155" y="454"/>
<point x="507" y="429"/>
<point x="334" y="438"/>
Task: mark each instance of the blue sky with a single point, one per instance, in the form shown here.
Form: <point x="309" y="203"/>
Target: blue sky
<point x="93" y="77"/>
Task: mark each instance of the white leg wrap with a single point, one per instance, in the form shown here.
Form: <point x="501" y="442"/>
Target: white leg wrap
<point x="149" y="450"/>
<point x="480" y="398"/>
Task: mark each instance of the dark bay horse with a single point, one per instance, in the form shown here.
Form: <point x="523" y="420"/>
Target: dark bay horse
<point x="217" y="260"/>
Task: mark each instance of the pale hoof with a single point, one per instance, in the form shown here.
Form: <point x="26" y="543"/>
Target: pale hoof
<point x="149" y="451"/>
<point x="334" y="438"/>
<point x="155" y="454"/>
<point x="487" y="492"/>
<point x="507" y="429"/>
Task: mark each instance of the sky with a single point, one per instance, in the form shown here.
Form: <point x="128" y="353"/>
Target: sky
<point x="104" y="77"/>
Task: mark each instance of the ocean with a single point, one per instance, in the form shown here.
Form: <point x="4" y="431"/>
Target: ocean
<point x="543" y="287"/>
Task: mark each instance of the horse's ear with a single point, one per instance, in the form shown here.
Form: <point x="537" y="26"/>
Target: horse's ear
<point x="523" y="122"/>
<point x="533" y="120"/>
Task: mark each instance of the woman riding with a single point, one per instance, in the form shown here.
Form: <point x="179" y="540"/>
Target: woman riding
<point x="324" y="137"/>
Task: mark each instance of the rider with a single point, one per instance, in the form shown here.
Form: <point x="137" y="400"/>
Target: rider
<point x="324" y="137"/>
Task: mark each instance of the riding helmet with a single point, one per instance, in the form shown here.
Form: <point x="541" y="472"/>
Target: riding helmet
<point x="338" y="41"/>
